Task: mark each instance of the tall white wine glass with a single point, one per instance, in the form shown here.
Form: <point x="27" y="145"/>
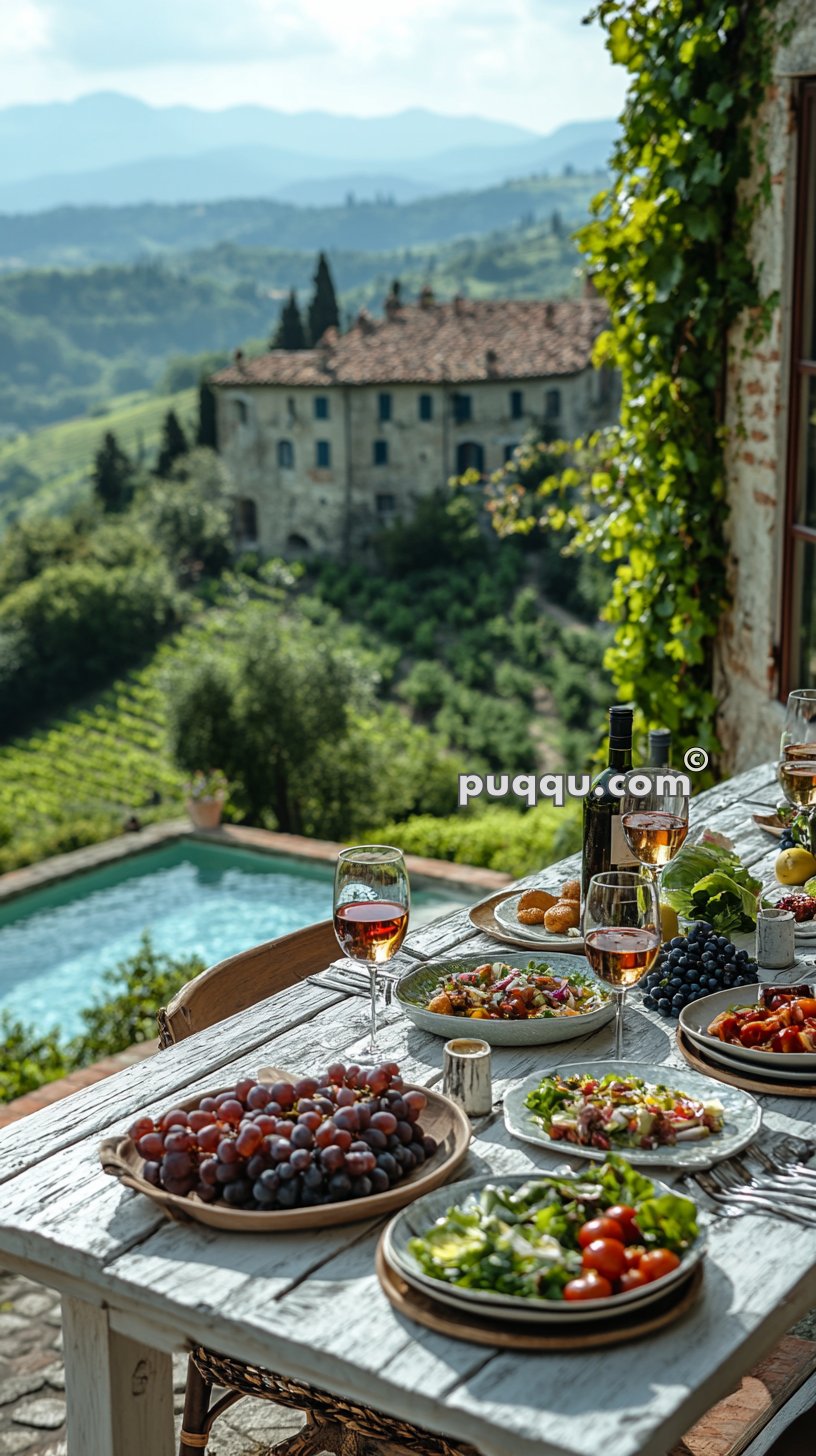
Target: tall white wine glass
<point x="372" y="901"/>
<point x="654" y="816"/>
<point x="796" y="766"/>
<point x="621" y="925"/>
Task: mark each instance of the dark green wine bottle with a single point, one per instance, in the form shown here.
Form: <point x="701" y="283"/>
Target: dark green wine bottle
<point x="604" y="845"/>
<point x="660" y="747"/>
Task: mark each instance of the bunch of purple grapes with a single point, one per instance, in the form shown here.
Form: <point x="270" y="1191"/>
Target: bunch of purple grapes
<point x="348" y="1133"/>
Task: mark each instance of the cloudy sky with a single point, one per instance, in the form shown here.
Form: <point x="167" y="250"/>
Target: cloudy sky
<point x="527" y="61"/>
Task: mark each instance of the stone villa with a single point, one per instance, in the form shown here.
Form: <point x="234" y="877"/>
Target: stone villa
<point x="327" y="445"/>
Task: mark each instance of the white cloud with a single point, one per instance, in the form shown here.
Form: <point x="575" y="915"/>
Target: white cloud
<point x="528" y="61"/>
<point x="24" y="29"/>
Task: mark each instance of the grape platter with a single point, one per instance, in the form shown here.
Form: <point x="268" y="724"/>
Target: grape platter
<point x="695" y="965"/>
<point x="345" y="1134"/>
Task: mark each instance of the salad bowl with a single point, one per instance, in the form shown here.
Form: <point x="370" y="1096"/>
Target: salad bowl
<point x="415" y="990"/>
<point x="742" y="1116"/>
<point x="410" y="1227"/>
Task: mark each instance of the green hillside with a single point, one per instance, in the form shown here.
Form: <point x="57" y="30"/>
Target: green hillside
<point x="48" y="471"/>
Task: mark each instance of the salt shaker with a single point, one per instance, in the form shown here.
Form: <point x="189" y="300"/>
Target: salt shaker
<point x="776" y="943"/>
<point x="466" y="1075"/>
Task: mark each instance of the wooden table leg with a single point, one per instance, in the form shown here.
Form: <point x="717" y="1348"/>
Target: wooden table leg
<point x="119" y="1393"/>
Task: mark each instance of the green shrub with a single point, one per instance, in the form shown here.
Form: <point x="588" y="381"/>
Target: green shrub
<point x="495" y="838"/>
<point x="41" y="843"/>
<point x="30" y="1058"/>
<point x="137" y="988"/>
<point x="72" y="627"/>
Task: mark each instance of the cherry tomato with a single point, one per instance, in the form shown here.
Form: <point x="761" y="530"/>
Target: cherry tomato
<point x="633" y="1255"/>
<point x="606" y="1256"/>
<point x="632" y="1279"/>
<point x="599" y="1228"/>
<point x="590" y="1286"/>
<point x="625" y="1216"/>
<point x="657" y="1263"/>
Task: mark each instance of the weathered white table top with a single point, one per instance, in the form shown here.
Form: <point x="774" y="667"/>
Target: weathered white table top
<point x="136" y="1286"/>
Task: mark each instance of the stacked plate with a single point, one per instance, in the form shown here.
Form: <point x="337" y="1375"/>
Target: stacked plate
<point x="418" y="1218"/>
<point x="787" y="1069"/>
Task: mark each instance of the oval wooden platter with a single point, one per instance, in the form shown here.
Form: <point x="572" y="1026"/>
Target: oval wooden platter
<point x="444" y="1320"/>
<point x="746" y="1080"/>
<point x="442" y="1119"/>
<point x="482" y="917"/>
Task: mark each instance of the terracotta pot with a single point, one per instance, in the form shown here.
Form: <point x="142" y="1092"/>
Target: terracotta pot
<point x="205" y="813"/>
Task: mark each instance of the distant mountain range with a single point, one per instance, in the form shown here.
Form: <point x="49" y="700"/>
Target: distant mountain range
<point x="108" y="149"/>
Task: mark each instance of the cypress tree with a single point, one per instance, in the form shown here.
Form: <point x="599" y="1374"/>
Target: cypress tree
<point x="173" y="444"/>
<point x="290" y="333"/>
<point x="207" y="432"/>
<point x="112" y="475"/>
<point x="323" y="311"/>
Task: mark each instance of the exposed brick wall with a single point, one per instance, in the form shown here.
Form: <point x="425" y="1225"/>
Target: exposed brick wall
<point x="756" y="417"/>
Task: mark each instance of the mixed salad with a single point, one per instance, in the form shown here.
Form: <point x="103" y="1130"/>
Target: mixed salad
<point x="574" y="1237"/>
<point x="499" y="992"/>
<point x="621" y="1112"/>
<point x="706" y="881"/>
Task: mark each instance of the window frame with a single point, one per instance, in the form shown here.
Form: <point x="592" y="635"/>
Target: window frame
<point x="425" y="402"/>
<point x="379" y="453"/>
<point x="517" y="404"/>
<point x="463" y="416"/>
<point x="384" y="406"/>
<point x="322" y="408"/>
<point x="325" y="446"/>
<point x="550" y="414"/>
<point x="285" y="447"/>
<point x="804" y="264"/>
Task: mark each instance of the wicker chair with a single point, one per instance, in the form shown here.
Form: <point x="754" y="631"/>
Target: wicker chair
<point x="332" y="1424"/>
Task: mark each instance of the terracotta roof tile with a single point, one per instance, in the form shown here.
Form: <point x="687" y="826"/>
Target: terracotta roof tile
<point x="453" y="343"/>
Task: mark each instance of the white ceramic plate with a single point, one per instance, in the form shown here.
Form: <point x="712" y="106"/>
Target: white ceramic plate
<point x="420" y="1215"/>
<point x="696" y="1018"/>
<point x="713" y="1052"/>
<point x="415" y="990"/>
<point x="742" y="1116"/>
<point x="507" y="915"/>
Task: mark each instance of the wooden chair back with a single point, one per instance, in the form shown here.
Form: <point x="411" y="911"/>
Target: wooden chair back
<point x="246" y="978"/>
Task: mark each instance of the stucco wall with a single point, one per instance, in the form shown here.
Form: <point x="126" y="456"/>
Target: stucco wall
<point x="338" y="509"/>
<point x="746" y="677"/>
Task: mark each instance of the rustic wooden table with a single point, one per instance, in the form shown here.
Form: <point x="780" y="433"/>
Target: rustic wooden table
<point x="136" y="1287"/>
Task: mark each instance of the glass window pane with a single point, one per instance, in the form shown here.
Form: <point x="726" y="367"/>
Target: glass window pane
<point x="808" y="154"/>
<point x="805" y="499"/>
<point x="803" y="615"/>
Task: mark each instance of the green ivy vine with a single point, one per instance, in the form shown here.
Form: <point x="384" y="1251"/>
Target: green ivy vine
<point x="668" y="250"/>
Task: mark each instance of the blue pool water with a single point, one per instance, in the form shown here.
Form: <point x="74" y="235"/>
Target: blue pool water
<point x="57" y="944"/>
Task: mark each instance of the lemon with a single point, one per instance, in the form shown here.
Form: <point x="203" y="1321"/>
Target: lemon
<point x="794" y="866"/>
<point x="668" y="922"/>
<point x="810" y="887"/>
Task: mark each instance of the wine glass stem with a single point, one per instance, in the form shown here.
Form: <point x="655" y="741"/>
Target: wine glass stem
<point x="619" y="1000"/>
<point x="372" y="971"/>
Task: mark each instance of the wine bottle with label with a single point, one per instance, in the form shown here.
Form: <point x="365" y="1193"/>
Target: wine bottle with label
<point x="605" y="847"/>
<point x="659" y="747"/>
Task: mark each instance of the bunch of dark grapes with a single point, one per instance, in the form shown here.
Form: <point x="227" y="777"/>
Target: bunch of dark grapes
<point x="350" y="1132"/>
<point x="690" y="967"/>
<point x="786" y="838"/>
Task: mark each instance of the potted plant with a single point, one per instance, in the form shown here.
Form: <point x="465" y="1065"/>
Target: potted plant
<point x="206" y="793"/>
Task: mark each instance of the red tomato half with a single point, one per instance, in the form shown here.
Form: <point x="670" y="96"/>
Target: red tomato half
<point x="657" y="1263"/>
<point x="599" y="1228"/>
<point x="591" y="1286"/>
<point x="606" y="1256"/>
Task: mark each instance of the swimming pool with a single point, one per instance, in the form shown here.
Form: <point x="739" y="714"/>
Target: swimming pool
<point x="56" y="944"/>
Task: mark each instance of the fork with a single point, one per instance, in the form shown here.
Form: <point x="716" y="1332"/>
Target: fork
<point x="742" y="1195"/>
<point x="793" y="1172"/>
<point x="788" y="1187"/>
